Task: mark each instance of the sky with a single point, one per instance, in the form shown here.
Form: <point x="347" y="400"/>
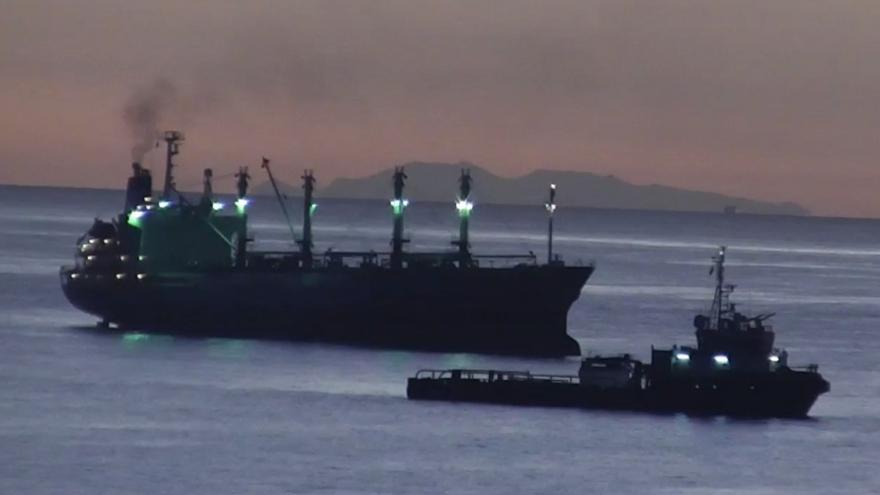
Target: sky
<point x="768" y="99"/>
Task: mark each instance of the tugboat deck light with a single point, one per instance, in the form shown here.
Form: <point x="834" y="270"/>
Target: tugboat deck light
<point x="774" y="358"/>
<point x="313" y="208"/>
<point x="683" y="356"/>
<point x="164" y="204"/>
<point x="217" y="206"/>
<point x="721" y="360"/>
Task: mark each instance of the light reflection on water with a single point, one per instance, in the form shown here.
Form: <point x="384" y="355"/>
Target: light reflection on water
<point x="84" y="410"/>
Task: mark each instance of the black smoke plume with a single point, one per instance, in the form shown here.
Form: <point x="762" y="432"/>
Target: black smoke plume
<point x="145" y="112"/>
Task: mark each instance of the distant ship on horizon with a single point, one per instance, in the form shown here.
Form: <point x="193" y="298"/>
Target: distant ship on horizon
<point x="171" y="265"/>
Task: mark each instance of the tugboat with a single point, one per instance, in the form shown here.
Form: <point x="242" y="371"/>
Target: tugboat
<point x="169" y="264"/>
<point x="734" y="370"/>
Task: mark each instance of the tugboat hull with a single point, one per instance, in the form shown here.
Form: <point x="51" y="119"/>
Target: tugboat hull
<point x="783" y="393"/>
<point x="521" y="310"/>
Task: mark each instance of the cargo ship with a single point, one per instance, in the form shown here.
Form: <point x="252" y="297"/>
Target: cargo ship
<point x="733" y="370"/>
<point x="169" y="264"/>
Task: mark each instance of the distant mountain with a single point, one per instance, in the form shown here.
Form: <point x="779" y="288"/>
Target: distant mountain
<point x="265" y="189"/>
<point x="438" y="182"/>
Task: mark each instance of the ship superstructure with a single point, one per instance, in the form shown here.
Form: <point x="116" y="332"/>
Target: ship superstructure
<point x="172" y="265"/>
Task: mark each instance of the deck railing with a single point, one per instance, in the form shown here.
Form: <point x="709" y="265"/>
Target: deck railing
<point x="492" y="375"/>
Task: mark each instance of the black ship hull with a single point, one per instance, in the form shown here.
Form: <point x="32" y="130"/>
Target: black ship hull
<point x="782" y="394"/>
<point x="519" y="310"/>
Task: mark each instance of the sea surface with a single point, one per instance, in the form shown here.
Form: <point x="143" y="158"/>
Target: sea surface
<point x="84" y="411"/>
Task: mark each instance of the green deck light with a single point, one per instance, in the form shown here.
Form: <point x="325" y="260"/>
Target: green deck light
<point x="241" y="204"/>
<point x="134" y="218"/>
<point x="312" y="209"/>
<point x="464" y="207"/>
<point x="398" y="205"/>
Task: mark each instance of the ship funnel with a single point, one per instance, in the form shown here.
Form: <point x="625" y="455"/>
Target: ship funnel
<point x="139" y="188"/>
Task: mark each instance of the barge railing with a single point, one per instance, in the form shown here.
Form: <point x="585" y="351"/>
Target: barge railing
<point x="492" y="375"/>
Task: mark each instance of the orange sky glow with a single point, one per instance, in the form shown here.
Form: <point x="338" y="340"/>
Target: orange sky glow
<point x="769" y="100"/>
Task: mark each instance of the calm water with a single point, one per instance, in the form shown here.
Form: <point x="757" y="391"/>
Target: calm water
<point x="87" y="412"/>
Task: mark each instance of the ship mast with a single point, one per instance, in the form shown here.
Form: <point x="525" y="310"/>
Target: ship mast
<point x="722" y="292"/>
<point x="207" y="188"/>
<point x="464" y="206"/>
<point x="398" y="205"/>
<point x="172" y="143"/>
<point x="308" y="209"/>
<point x="551" y="208"/>
<point x="241" y="203"/>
